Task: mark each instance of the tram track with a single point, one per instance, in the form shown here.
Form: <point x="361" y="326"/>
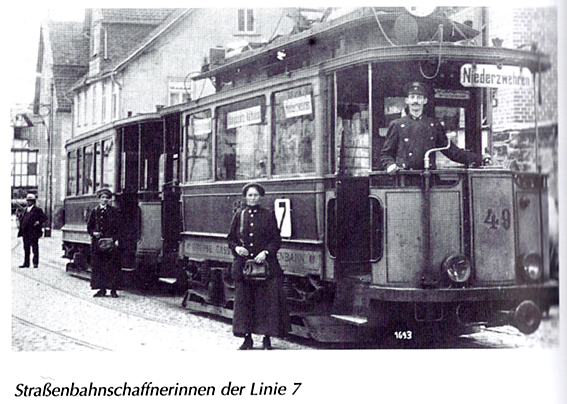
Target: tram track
<point x="167" y="310"/>
<point x="60" y="335"/>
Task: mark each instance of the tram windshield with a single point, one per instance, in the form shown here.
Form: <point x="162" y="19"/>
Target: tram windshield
<point x="367" y="98"/>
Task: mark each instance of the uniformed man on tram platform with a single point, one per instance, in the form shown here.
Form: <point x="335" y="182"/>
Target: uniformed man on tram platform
<point x="409" y="137"/>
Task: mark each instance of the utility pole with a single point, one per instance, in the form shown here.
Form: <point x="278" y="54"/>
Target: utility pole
<point x="49" y="194"/>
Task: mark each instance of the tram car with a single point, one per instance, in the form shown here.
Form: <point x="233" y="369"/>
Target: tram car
<point x="306" y="115"/>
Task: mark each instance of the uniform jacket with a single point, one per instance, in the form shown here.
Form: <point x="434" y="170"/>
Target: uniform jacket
<point x="31" y="223"/>
<point x="257" y="233"/>
<point x="106" y="221"/>
<point x="408" y="140"/>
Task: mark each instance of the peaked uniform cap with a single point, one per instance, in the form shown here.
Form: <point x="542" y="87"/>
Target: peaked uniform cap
<point x="417" y="87"/>
<point x="105" y="191"/>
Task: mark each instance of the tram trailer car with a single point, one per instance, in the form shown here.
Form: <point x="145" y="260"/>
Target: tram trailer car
<point x="307" y="115"/>
<point x="131" y="158"/>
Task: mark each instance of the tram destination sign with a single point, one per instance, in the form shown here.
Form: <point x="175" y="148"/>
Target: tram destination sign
<point x="495" y="76"/>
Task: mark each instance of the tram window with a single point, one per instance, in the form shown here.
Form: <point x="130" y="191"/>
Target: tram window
<point x="108" y="164"/>
<point x="242" y="141"/>
<point x="97" y="166"/>
<point x="80" y="170"/>
<point x="198" y="164"/>
<point x="453" y="119"/>
<point x="71" y="173"/>
<point x="352" y="120"/>
<point x="294" y="132"/>
<point x="88" y="173"/>
<point x="150" y="151"/>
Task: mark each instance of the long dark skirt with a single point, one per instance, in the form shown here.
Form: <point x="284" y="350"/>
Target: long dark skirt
<point x="260" y="308"/>
<point x="105" y="270"/>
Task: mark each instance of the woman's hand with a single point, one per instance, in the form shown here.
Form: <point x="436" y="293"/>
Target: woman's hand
<point x="243" y="252"/>
<point x="261" y="257"/>
<point x="96" y="234"/>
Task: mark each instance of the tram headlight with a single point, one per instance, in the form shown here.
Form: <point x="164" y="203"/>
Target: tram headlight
<point x="458" y="268"/>
<point x="530" y="267"/>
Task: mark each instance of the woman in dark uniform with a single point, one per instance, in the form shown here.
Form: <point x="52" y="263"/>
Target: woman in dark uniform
<point x="259" y="306"/>
<point x="104" y="223"/>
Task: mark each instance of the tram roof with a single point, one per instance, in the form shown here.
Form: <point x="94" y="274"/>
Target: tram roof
<point x="452" y="50"/>
<point x="135" y="119"/>
<point x="324" y="29"/>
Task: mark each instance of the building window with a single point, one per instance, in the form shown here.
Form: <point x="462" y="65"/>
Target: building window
<point x="103" y="107"/>
<point x="94" y="104"/>
<point x="245" y="20"/>
<point x="114" y="101"/>
<point x="178" y="93"/>
<point x="84" y="117"/>
<point x="78" y="109"/>
<point x="24" y="168"/>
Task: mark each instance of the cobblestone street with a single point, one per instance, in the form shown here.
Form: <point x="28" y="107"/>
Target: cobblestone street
<point x="53" y="311"/>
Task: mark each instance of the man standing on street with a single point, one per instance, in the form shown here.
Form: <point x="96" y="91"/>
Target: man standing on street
<point x="31" y="223"/>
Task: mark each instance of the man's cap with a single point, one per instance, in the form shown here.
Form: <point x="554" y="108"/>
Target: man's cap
<point x="104" y="191"/>
<point x="259" y="187"/>
<point x="30" y="197"/>
<point x="416" y="87"/>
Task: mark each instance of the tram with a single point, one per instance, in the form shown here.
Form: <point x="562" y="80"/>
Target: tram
<point x="307" y="115"/>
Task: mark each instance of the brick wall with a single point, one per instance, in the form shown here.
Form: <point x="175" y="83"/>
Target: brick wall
<point x="522" y="27"/>
<point x="513" y="140"/>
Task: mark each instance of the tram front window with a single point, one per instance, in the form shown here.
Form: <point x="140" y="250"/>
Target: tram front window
<point x="352" y="131"/>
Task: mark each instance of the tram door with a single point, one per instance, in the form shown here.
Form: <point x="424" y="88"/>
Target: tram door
<point x="171" y="196"/>
<point x="352" y="138"/>
<point x="353" y="225"/>
<point x="140" y="200"/>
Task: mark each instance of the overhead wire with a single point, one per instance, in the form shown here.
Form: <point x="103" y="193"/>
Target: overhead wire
<point x="382" y="29"/>
<point x="440" y="33"/>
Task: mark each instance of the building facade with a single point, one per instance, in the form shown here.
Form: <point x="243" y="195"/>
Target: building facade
<point x="142" y="59"/>
<point x="61" y="61"/>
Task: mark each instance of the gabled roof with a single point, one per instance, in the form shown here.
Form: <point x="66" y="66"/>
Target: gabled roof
<point x="68" y="43"/>
<point x="131" y="31"/>
<point x="70" y="61"/>
<point x="136" y="39"/>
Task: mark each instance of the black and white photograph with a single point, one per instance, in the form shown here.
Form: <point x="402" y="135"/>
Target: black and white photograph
<point x="372" y="193"/>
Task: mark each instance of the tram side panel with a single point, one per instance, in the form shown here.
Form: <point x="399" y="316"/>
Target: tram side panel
<point x="207" y="214"/>
<point x="76" y="240"/>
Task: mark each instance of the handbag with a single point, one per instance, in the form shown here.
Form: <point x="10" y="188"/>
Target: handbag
<point x="105" y="244"/>
<point x="255" y="272"/>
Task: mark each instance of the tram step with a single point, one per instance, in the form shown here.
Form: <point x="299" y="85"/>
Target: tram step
<point x="356" y="320"/>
